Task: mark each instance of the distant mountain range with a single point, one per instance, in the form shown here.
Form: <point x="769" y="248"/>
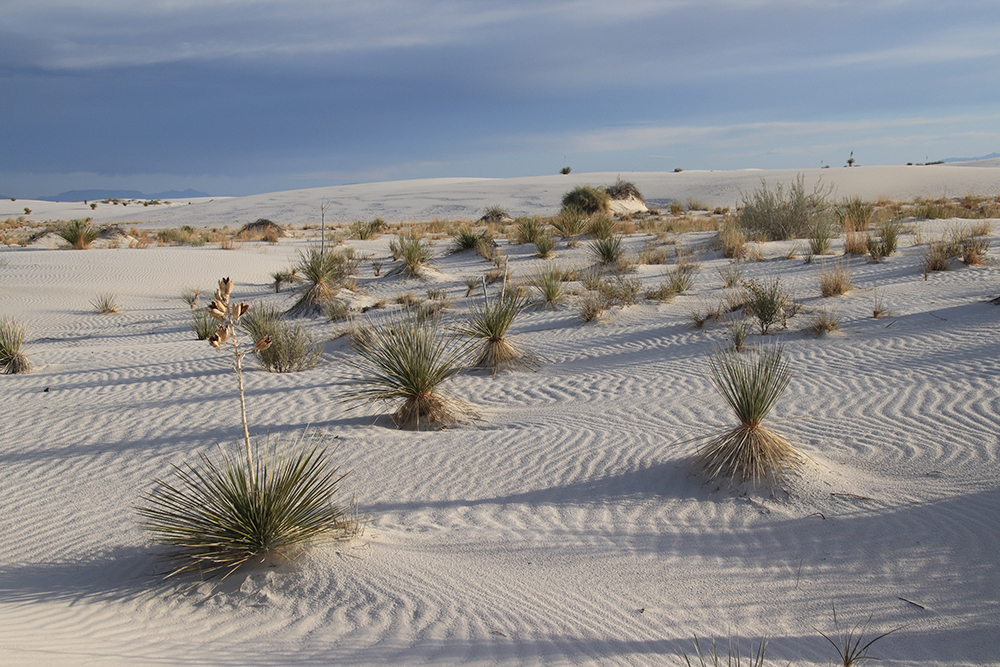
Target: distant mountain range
<point x="969" y="159"/>
<point x="98" y="195"/>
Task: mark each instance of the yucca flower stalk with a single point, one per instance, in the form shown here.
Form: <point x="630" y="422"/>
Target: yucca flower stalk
<point x="403" y="361"/>
<point x="487" y="326"/>
<point x="228" y="315"/>
<point x="751" y="383"/>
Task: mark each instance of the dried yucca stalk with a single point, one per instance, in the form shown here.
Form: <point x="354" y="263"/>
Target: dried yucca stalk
<point x="751" y="384"/>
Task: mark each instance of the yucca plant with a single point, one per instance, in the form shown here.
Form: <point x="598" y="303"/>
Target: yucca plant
<point x="601" y="226"/>
<point x="466" y="238"/>
<point x="713" y="657"/>
<point x="404" y="361"/>
<point x="13" y="361"/>
<point x="739" y="331"/>
<point x="322" y="272"/>
<point x="287" y="276"/>
<point x="528" y="230"/>
<point x="414" y="255"/>
<point x="488" y="326"/>
<point x="607" y="251"/>
<point x="366" y="230"/>
<point x="549" y="283"/>
<point x="751" y="383"/>
<point x="202" y="324"/>
<point x="78" y="233"/>
<point x="570" y="222"/>
<point x="105" y="304"/>
<point x="191" y="295"/>
<point x="546" y="246"/>
<point x="680" y="279"/>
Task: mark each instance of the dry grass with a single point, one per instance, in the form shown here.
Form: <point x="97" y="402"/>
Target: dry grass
<point x="824" y="322"/>
<point x="13" y="360"/>
<point x="592" y="307"/>
<point x="835" y="280"/>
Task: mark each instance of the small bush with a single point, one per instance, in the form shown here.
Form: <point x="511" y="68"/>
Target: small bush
<point x="288" y="276"/>
<point x="546" y="246"/>
<point x="528" y="230"/>
<point x="549" y="283"/>
<point x="621" y="291"/>
<point x="261" y="229"/>
<point x="404" y="361"/>
<point x="836" y="280"/>
<point x="974" y="251"/>
<point x="750" y="385"/>
<point x="488" y="326"/>
<point x="366" y="230"/>
<point x="191" y="296"/>
<point x="466" y="238"/>
<point x="13" y="360"/>
<point x="80" y="234"/>
<point x="731" y="274"/>
<point x="202" y="324"/>
<point x="936" y="258"/>
<point x="823" y="322"/>
<point x="105" y="304"/>
<point x="680" y="279"/>
<point x="885" y="244"/>
<point x="592" y="307"/>
<point x="732" y="239"/>
<point x="570" y="222"/>
<point x="588" y="199"/>
<point x="607" y="251"/>
<point x="661" y="294"/>
<point x="322" y="274"/>
<point x="621" y="189"/>
<point x="494" y="215"/>
<point x="292" y="348"/>
<point x="676" y="207"/>
<point x="601" y="227"/>
<point x="821" y="236"/>
<point x="414" y="256"/>
<point x="565" y="170"/>
<point x="739" y="331"/>
<point x="768" y="302"/>
<point x="780" y="214"/>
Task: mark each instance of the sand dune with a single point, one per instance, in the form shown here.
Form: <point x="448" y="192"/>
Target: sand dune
<point x="563" y="527"/>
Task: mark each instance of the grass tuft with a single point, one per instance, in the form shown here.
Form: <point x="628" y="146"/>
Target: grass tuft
<point x="105" y="304"/>
<point x="607" y="251"/>
<point x="80" y="234"/>
<point x="549" y="283"/>
<point x="292" y="349"/>
<point x="781" y="214"/>
<point x="851" y="647"/>
<point x="488" y="326"/>
<point x="13" y="360"/>
<point x="750" y="383"/>
<point x="404" y="361"/>
<point x="413" y="255"/>
<point x="824" y="322"/>
<point x="588" y="199"/>
<point x="323" y="273"/>
<point x="836" y="280"/>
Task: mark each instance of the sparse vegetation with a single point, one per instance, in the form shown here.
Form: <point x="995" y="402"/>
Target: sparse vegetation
<point x="601" y="226"/>
<point x="366" y="230"/>
<point x="545" y="245"/>
<point x="549" y="283"/>
<point x="588" y="199"/>
<point x="288" y="276"/>
<point x="781" y="214"/>
<point x="767" y="301"/>
<point x="80" y="234"/>
<point x="202" y="324"/>
<point x="414" y="256"/>
<point x="739" y="331"/>
<point x="292" y="348"/>
<point x="322" y="273"/>
<point x="592" y="307"/>
<point x="467" y="238"/>
<point x="835" y="280"/>
<point x="488" y="327"/>
<point x="494" y="215"/>
<point x="823" y="322"/>
<point x="732" y="239"/>
<point x="750" y="383"/>
<point x="13" y="360"/>
<point x="731" y="274"/>
<point x="528" y="230"/>
<point x="570" y="222"/>
<point x="852" y="649"/>
<point x="105" y="304"/>
<point x="607" y="251"/>
<point x="404" y="361"/>
<point x="622" y="189"/>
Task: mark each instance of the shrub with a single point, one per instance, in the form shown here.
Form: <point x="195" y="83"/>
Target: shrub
<point x="466" y="238"/>
<point x="661" y="294"/>
<point x="623" y="190"/>
<point x="80" y="234"/>
<point x="588" y="199"/>
<point x="676" y="207"/>
<point x="105" y="304"/>
<point x="974" y="251"/>
<point x="262" y="229"/>
<point x="887" y="241"/>
<point x="366" y="231"/>
<point x="292" y="348"/>
<point x="404" y="361"/>
<point x="488" y="326"/>
<point x="607" y="251"/>
<point x="824" y="321"/>
<point x="494" y="214"/>
<point x="851" y="647"/>
<point x="731" y="274"/>
<point x="414" y="255"/>
<point x="836" y="280"/>
<point x="338" y="310"/>
<point x="545" y="245"/>
<point x="732" y="239"/>
<point x="592" y="307"/>
<point x="570" y="222"/>
<point x="936" y="258"/>
<point x="322" y="273"/>
<point x="549" y="283"/>
<point x="821" y="236"/>
<point x="767" y="302"/>
<point x="780" y="214"/>
<point x="750" y="385"/>
<point x="565" y="170"/>
<point x="601" y="227"/>
<point x="13" y="360"/>
<point x="528" y="230"/>
<point x="732" y="658"/>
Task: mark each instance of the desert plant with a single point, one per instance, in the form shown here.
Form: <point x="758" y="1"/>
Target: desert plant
<point x="80" y="234"/>
<point x="780" y="214"/>
<point x="680" y="278"/>
<point x="404" y="361"/>
<point x="601" y="226"/>
<point x="676" y="207"/>
<point x="13" y="360"/>
<point x="732" y="658"/>
<point x="488" y="326"/>
<point x="549" y="283"/>
<point x="835" y="280"/>
<point x="851" y="647"/>
<point x="661" y="294"/>
<point x="322" y="273"/>
<point x="202" y="324"/>
<point x="338" y="310"/>
<point x="732" y="239"/>
<point x="591" y="277"/>
<point x="466" y="238"/>
<point x="821" y="236"/>
<point x="565" y="170"/>
<point x="731" y="274"/>
<point x="588" y="199"/>
<point x="292" y="348"/>
<point x="824" y="321"/>
<point x="494" y="214"/>
<point x="974" y="250"/>
<point x="767" y="301"/>
<point x="607" y="251"/>
<point x="621" y="291"/>
<point x="285" y="276"/>
<point x="592" y="307"/>
<point x="105" y="304"/>
<point x="191" y="296"/>
<point x="570" y="222"/>
<point x="546" y="246"/>
<point x="528" y="230"/>
<point x="622" y="189"/>
<point x="366" y="230"/>
<point x="936" y="258"/>
<point x="885" y="244"/>
<point x="750" y="383"/>
<point x="739" y="331"/>
<point x="414" y="255"/>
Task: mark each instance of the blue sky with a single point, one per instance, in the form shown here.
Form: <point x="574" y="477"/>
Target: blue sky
<point x="239" y="96"/>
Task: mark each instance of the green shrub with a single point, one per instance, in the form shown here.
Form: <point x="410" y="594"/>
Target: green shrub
<point x="768" y="302"/>
<point x="466" y="238"/>
<point x="588" y="199"/>
<point x="781" y="214"/>
<point x="570" y="222"/>
<point x="607" y="251"/>
<point x="528" y="230"/>
<point x="366" y="230"/>
<point x="13" y="360"/>
<point x="495" y="214"/>
<point x="292" y="348"/>
<point x="322" y="274"/>
<point x="80" y="234"/>
<point x="488" y="326"/>
<point x="549" y="283"/>
<point x="623" y="190"/>
<point x="414" y="255"/>
<point x="545" y="245"/>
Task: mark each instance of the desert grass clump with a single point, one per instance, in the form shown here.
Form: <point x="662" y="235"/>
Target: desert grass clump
<point x="661" y="294"/>
<point x="292" y="349"/>
<point x="105" y="304"/>
<point x="288" y="276"/>
<point x="404" y="361"/>
<point x="202" y="324"/>
<point x="621" y="291"/>
<point x="592" y="307"/>
<point x="739" y="331"/>
<point x="974" y="250"/>
<point x="601" y="226"/>
<point x="414" y="256"/>
<point x="885" y="244"/>
<point x="680" y="278"/>
<point x="545" y="245"/>
<point x="191" y="296"/>
<point x="732" y="239"/>
<point x="835" y="280"/>
<point x="467" y="238"/>
<point x="750" y="383"/>
<point x="366" y="230"/>
<point x="781" y="214"/>
<point x="322" y="274"/>
<point x="80" y="234"/>
<point x="767" y="301"/>
<point x="13" y="360"/>
<point x="622" y="189"/>
<point x="570" y="222"/>
<point x="495" y="215"/>
<point x="821" y="236"/>
<point x="528" y="230"/>
<point x="488" y="326"/>
<point x="731" y="274"/>
<point x="936" y="258"/>
<point x="824" y="322"/>
<point x="607" y="251"/>
<point x="851" y="647"/>
<point x="588" y="199"/>
<point x="713" y="657"/>
<point x="549" y="283"/>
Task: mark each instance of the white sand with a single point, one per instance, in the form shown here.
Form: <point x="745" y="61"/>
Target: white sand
<point x="565" y="527"/>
